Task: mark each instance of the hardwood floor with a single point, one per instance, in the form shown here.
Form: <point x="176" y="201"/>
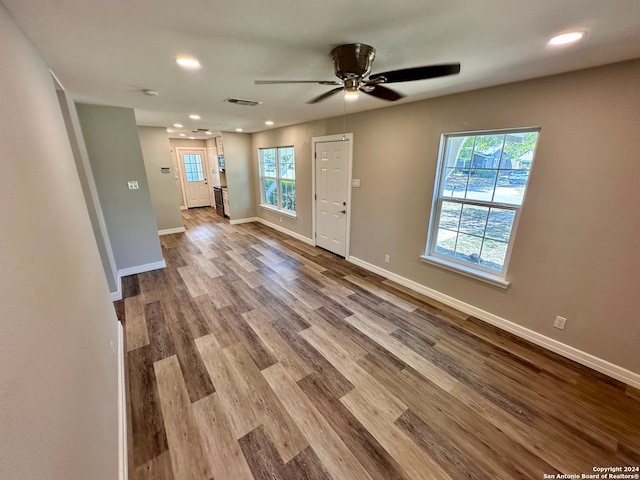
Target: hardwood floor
<point x="255" y="356"/>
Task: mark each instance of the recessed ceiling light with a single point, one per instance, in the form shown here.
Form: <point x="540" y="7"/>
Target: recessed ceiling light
<point x="208" y="133"/>
<point x="194" y="116"/>
<point x="238" y="129"/>
<point x="177" y="125"/>
<point x="169" y="130"/>
<point x="192" y="138"/>
<point x="269" y="122"/>
<point x="566" y="38"/>
<point x="182" y="134"/>
<point x="191" y="63"/>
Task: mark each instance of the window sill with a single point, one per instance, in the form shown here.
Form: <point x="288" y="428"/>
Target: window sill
<point x="485" y="277"/>
<point x="286" y="213"/>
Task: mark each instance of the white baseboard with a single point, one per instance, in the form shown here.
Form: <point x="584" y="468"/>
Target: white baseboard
<point x="117" y="295"/>
<point x="122" y="409"/>
<point x="243" y="220"/>
<point x="147" y="267"/>
<point x="169" y="231"/>
<point x="567" y="351"/>
<point x="295" y="235"/>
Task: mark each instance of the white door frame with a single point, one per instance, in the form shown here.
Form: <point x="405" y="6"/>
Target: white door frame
<point x="183" y="180"/>
<point x="332" y="138"/>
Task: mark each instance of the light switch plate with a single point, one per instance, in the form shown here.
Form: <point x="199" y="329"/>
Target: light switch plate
<point x="355" y="182"/>
<point x="133" y="184"/>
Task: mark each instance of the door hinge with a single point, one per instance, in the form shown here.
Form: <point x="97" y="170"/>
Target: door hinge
<point x="315" y="155"/>
<point x="315" y="197"/>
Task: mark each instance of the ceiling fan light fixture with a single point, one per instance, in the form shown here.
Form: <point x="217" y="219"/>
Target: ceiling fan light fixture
<point x="351" y="94"/>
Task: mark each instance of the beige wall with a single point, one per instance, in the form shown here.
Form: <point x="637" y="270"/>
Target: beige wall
<point x="576" y="251"/>
<point x="239" y="163"/>
<point x="163" y="189"/>
<point x="58" y="371"/>
<point x="300" y="137"/>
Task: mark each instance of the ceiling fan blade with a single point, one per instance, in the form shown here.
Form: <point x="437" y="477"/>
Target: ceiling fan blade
<point x="326" y="95"/>
<point x="275" y="82"/>
<point x="416" y="73"/>
<point x="384" y="93"/>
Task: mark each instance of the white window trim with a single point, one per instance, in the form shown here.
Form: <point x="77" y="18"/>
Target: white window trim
<point x="282" y="211"/>
<point x="476" y="272"/>
<point x="268" y="206"/>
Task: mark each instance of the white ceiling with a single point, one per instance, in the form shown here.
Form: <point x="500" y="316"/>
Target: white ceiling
<point x="107" y="51"/>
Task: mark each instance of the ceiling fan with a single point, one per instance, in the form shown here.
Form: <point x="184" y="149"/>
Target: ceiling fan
<point x="352" y="64"/>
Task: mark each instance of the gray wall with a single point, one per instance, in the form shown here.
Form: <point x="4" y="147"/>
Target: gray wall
<point x="111" y="136"/>
<point x="89" y="190"/>
<point x="165" y="197"/>
<point x="575" y="253"/>
<point x="239" y="165"/>
<point x="58" y="372"/>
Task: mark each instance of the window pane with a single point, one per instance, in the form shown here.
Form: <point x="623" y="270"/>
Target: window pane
<point x="268" y="162"/>
<point x="270" y="192"/>
<point x="511" y="185"/>
<point x="288" y="190"/>
<point x="446" y="243"/>
<point x="499" y="224"/>
<point x="481" y="184"/>
<point x="287" y="163"/>
<point x="450" y="215"/>
<point x="487" y="151"/>
<point x="474" y="219"/>
<point x="455" y="184"/>
<point x="468" y="248"/>
<point x="493" y="254"/>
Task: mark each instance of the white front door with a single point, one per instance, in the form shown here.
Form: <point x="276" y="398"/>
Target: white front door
<point x="194" y="177"/>
<point x="332" y="185"/>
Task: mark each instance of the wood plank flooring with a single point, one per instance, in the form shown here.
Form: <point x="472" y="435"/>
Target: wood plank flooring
<point x="254" y="356"/>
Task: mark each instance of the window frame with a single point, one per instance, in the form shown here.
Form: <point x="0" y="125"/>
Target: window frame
<point x="477" y="271"/>
<point x="278" y="179"/>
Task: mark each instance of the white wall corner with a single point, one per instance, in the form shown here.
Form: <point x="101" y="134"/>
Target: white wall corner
<point x="117" y="295"/>
<point x="297" y="236"/>
<point x="567" y="351"/>
<point x="169" y="231"/>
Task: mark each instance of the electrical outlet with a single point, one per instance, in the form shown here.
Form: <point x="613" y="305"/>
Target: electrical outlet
<point x="280" y="219"/>
<point x="560" y="322"/>
<point x="387" y="259"/>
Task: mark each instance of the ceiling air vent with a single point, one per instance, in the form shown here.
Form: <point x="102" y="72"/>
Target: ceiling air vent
<point x="200" y="130"/>
<point x="239" y="101"/>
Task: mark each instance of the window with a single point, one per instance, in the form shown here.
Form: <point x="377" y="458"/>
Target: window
<point x="193" y="167"/>
<point x="278" y="179"/>
<point x="480" y="186"/>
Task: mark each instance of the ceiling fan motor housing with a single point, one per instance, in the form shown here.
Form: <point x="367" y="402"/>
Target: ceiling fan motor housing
<point x="353" y="60"/>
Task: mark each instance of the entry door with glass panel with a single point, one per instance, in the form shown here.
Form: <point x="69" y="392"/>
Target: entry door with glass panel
<point x="195" y="183"/>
